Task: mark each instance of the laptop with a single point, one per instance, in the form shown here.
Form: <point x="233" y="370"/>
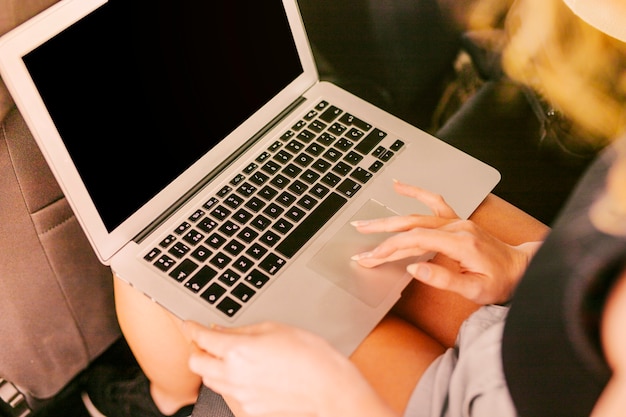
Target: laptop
<point x="211" y="168"/>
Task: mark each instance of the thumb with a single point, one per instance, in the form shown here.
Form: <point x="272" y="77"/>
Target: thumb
<point x="437" y="276"/>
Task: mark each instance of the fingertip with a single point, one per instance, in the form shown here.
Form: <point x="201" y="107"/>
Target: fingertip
<point x="420" y="271"/>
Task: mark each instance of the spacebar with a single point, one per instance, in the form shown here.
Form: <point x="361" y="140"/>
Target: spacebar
<point x="310" y="225"/>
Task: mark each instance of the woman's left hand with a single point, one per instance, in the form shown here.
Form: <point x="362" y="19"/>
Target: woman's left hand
<point x="274" y="369"/>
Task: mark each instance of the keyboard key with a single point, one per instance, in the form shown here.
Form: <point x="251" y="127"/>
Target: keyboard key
<point x="292" y="170"/>
<point x="213" y="293"/>
<point x="243" y="264"/>
<point x="220" y="212"/>
<point x="215" y="241"/>
<point x="207" y="225"/>
<point x="256" y="251"/>
<point x="299" y="125"/>
<point x="229" y="228"/>
<point x="233" y="201"/>
<point x="273" y="210"/>
<point x="298" y="187"/>
<point x="353" y="158"/>
<point x="286" y="199"/>
<point x="295" y="214"/>
<point x="366" y="145"/>
<point x="256" y="278"/>
<point x="292" y="243"/>
<point x="234" y="247"/>
<point x="282" y="226"/>
<point x="220" y="260"/>
<point x="317" y="126"/>
<point x="306" y="136"/>
<point x="272" y="264"/>
<point x="271" y="167"/>
<point x="354" y="134"/>
<point x="350" y="120"/>
<point x="201" y="279"/>
<point x="343" y="144"/>
<point x="224" y="191"/>
<point x="255" y="204"/>
<point x="269" y="238"/>
<point x="337" y="129"/>
<point x="184" y="270"/>
<point x="150" y="256"/>
<point x="193" y="237"/>
<point x="280" y="181"/>
<point x="197" y="215"/>
<point x="182" y="228"/>
<point x="164" y="263"/>
<point x="201" y="253"/>
<point x="246" y="189"/>
<point x="330" y="114"/>
<point x="242" y="216"/>
<point x="295" y="146"/>
<point x="330" y="179"/>
<point x="243" y="292"/>
<point x="229" y="306"/>
<point x="259" y="178"/>
<point x="321" y="165"/>
<point x="168" y="240"/>
<point x="304" y="159"/>
<point x="210" y="203"/>
<point x="348" y="187"/>
<point x="310" y="176"/>
<point x="247" y="235"/>
<point x="307" y="202"/>
<point x="229" y="277"/>
<point x="361" y="175"/>
<point x="179" y="250"/>
<point x="260" y="222"/>
<point x="397" y="145"/>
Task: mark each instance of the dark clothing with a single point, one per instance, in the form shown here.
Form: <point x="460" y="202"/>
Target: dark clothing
<point x="551" y="351"/>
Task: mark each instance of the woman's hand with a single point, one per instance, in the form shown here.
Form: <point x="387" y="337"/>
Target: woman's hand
<point x="274" y="369"/>
<point x="489" y="269"/>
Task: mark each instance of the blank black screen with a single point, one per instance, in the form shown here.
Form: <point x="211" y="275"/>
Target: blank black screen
<point x="140" y="90"/>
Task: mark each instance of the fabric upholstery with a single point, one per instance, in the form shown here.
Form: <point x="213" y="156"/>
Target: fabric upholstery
<point x="56" y="299"/>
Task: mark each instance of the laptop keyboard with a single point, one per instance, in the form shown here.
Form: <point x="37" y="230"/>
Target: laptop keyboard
<point x="232" y="247"/>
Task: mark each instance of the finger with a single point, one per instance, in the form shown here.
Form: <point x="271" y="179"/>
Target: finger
<point x="215" y="341"/>
<point x="435" y="202"/>
<point x="466" y="284"/>
<point x="371" y="260"/>
<point x="451" y="240"/>
<point x="398" y="223"/>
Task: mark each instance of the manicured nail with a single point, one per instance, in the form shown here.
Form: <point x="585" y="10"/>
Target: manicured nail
<point x="360" y="256"/>
<point x="419" y="271"/>
<point x="360" y="223"/>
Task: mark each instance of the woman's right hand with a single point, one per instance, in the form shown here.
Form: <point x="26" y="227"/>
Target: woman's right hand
<point x="488" y="269"/>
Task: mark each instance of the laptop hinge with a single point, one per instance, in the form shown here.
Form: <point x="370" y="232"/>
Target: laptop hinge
<point x="217" y="170"/>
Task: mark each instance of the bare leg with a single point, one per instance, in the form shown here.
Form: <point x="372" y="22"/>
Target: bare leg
<point x="155" y="337"/>
<point x="394" y="357"/>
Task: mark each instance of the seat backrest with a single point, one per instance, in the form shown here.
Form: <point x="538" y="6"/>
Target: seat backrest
<point x="56" y="299"/>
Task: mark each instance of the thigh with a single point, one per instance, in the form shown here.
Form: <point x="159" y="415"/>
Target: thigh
<point x="394" y="357"/>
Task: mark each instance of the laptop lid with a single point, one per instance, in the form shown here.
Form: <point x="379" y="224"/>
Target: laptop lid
<point x="108" y="89"/>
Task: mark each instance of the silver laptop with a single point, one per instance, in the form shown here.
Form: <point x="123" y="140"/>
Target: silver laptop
<point x="210" y="167"/>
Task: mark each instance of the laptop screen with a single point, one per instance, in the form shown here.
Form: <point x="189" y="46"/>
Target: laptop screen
<point x="140" y="90"/>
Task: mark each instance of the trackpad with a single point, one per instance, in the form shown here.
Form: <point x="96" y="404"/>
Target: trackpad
<point x="370" y="285"/>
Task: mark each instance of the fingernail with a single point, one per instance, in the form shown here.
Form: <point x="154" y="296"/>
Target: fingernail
<point x="360" y="256"/>
<point x="419" y="271"/>
<point x="358" y="223"/>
